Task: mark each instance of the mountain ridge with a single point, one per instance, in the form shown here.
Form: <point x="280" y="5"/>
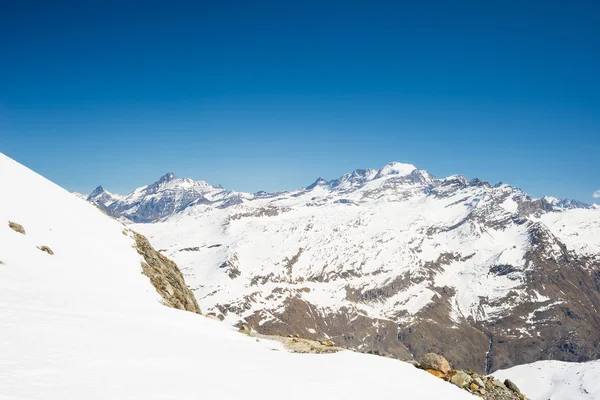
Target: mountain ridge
<point x="180" y="193"/>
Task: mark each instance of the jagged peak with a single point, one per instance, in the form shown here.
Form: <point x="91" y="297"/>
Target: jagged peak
<point x="169" y="176"/>
<point x="455" y="179"/>
<point x="319" y="182"/>
<point x="96" y="192"/>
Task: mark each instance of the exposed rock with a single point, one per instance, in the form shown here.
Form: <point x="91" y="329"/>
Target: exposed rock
<point x="165" y="276"/>
<point x="437" y="373"/>
<point x="461" y="379"/>
<point x="435" y="362"/>
<point x="16" y="227"/>
<point x="327" y="342"/>
<point x="244" y="329"/>
<point x="486" y="387"/>
<point x="510" y="384"/>
<point x="46" y="249"/>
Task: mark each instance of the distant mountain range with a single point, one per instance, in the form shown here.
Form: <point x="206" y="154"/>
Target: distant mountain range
<point x="392" y="261"/>
<point x="170" y="195"/>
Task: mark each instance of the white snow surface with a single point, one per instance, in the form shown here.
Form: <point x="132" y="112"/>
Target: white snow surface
<point x="556" y="380"/>
<point x="84" y="323"/>
<point x="579" y="229"/>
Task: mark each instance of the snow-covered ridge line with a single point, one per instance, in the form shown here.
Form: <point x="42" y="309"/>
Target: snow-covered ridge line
<point x="170" y="195"/>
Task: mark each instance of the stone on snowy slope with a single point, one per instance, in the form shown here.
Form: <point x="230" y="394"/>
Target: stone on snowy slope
<point x="16" y="227"/>
<point x="510" y="384"/>
<point x="435" y="362"/>
<point x="461" y="379"/>
<point x="436" y="373"/>
<point x="46" y="249"/>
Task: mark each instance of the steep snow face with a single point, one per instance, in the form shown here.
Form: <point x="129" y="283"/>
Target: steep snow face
<point x="556" y="380"/>
<point x="578" y="228"/>
<point x="78" y="234"/>
<point x="84" y="323"/>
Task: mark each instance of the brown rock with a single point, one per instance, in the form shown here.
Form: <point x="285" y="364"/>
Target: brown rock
<point x="437" y="373"/>
<point x="16" y="227"/>
<point x="510" y="384"/>
<point x="461" y="379"/>
<point x="434" y="361"/>
<point x="46" y="249"/>
<point x="165" y="276"/>
<point x="478" y="381"/>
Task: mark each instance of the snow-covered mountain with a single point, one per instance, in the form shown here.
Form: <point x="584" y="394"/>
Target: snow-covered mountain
<point x="81" y="319"/>
<point x="165" y="197"/>
<point x="391" y="260"/>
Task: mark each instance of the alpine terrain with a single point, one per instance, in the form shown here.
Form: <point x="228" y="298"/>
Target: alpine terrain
<point x="83" y="315"/>
<point x="392" y="261"/>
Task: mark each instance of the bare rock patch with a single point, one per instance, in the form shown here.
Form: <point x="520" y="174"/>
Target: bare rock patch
<point x="16" y="227"/>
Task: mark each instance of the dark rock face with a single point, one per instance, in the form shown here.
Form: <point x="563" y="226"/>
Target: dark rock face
<point x="165" y="277"/>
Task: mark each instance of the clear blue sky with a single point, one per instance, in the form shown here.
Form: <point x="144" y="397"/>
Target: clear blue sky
<point x="271" y="95"/>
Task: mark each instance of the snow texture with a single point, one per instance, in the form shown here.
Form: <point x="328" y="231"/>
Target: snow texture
<point x="556" y="380"/>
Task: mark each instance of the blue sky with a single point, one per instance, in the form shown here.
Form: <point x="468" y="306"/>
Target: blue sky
<point x="271" y="95"/>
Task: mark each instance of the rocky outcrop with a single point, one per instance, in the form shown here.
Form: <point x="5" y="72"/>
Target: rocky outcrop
<point x="486" y="387"/>
<point x="16" y="227"/>
<point x="165" y="276"/>
<point x="435" y="362"/>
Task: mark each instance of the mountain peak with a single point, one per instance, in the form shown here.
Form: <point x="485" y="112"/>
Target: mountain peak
<point x="319" y="182"/>
<point x="396" y="168"/>
<point x="96" y="192"/>
<point x="168" y="177"/>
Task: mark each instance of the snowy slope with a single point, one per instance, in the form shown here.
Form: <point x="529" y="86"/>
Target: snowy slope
<point x="556" y="380"/>
<point x="84" y="323"/>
